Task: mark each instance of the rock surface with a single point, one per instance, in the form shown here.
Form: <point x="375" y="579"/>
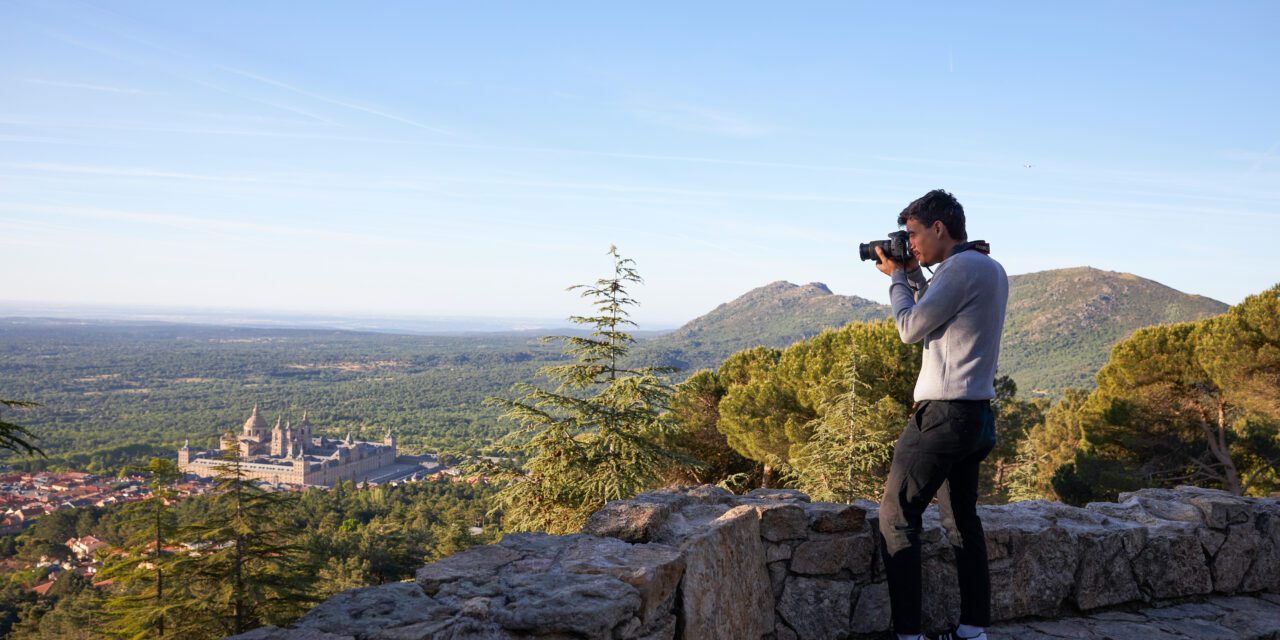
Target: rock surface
<point x="700" y="563"/>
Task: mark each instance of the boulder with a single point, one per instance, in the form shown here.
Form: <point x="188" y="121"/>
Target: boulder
<point x="817" y="608"/>
<point x="476" y="564"/>
<point x="1033" y="562"/>
<point x="787" y="495"/>
<point x="831" y="554"/>
<point x="782" y="522"/>
<point x="363" y="612"/>
<point x="276" y="633"/>
<point x="654" y="570"/>
<point x="871" y="613"/>
<point x="628" y="520"/>
<point x="1172" y="564"/>
<point x="1232" y="559"/>
<point x="828" y="517"/>
<point x="725" y="571"/>
<point x="565" y="603"/>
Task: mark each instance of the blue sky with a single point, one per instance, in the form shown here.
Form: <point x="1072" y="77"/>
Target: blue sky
<point x="477" y="158"/>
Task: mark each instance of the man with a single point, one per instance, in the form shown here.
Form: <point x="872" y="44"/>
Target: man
<point x="959" y="315"/>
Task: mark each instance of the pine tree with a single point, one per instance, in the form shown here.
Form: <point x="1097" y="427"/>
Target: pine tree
<point x="1048" y="446"/>
<point x="17" y="438"/>
<point x="139" y="608"/>
<point x="247" y="570"/>
<point x="852" y="443"/>
<point x="593" y="437"/>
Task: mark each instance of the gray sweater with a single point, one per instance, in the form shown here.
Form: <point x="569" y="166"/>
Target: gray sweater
<point x="959" y="314"/>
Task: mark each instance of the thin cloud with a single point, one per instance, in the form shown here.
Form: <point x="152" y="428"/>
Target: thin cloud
<point x="341" y="103"/>
<point x="218" y="226"/>
<point x="4" y="137"/>
<point x="689" y="117"/>
<point x="125" y="172"/>
<point x="284" y="107"/>
<point x="129" y="126"/>
<point x="90" y="87"/>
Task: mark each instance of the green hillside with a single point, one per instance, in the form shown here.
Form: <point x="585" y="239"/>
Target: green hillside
<point x="776" y="314"/>
<point x="1061" y="324"/>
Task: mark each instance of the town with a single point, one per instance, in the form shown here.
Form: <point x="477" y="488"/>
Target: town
<point x="27" y="496"/>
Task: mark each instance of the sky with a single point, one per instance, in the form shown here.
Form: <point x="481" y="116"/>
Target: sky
<point x="477" y="158"/>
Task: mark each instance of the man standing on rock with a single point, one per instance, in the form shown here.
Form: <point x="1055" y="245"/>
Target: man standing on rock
<point x="959" y="314"/>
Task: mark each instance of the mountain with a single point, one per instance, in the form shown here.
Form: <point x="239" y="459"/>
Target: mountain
<point x="1059" y="330"/>
<point x="776" y="314"/>
<point x="1061" y="324"/>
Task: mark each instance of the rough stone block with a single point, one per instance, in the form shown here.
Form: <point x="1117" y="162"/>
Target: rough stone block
<point x="629" y="521"/>
<point x="833" y="553"/>
<point x="828" y="517"/>
<point x="1172" y="564"/>
<point x="777" y="551"/>
<point x="1264" y="574"/>
<point x="782" y="522"/>
<point x="476" y="563"/>
<point x="791" y="495"/>
<point x="360" y="612"/>
<point x="1220" y="509"/>
<point x="276" y="633"/>
<point x="725" y="571"/>
<point x="940" y="588"/>
<point x="817" y="608"/>
<point x="654" y="570"/>
<point x="1033" y="563"/>
<point x="777" y="578"/>
<point x="871" y="613"/>
<point x="1234" y="557"/>
<point x="566" y="603"/>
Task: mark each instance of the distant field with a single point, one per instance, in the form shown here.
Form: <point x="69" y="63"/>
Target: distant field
<point x="104" y="385"/>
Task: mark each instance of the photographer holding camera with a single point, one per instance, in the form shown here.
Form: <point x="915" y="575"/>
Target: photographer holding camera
<point x="959" y="314"/>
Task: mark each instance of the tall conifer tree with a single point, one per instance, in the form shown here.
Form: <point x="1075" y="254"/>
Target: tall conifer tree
<point x="140" y="607"/>
<point x="247" y="570"/>
<point x="593" y="437"/>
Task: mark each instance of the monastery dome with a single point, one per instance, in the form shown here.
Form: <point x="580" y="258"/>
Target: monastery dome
<point x="255" y="421"/>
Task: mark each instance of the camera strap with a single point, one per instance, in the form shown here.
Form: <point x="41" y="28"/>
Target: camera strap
<point x="981" y="246"/>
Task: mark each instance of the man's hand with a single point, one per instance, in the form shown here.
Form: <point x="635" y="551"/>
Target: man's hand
<point x="887" y="266"/>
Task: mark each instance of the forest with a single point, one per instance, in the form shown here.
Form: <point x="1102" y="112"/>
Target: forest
<point x="111" y="394"/>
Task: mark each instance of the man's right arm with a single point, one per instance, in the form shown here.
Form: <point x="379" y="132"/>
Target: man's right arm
<point x="915" y="320"/>
<point x="917" y="281"/>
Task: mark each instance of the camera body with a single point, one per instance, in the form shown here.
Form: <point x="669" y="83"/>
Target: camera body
<point x="896" y="248"/>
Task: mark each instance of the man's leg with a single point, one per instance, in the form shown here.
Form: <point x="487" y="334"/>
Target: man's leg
<point x="922" y="461"/>
<point x="957" y="503"/>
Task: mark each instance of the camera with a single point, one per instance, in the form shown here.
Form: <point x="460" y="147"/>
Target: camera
<point x="896" y="248"/>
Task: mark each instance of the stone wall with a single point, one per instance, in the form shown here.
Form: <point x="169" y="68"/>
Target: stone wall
<point x="701" y="563"/>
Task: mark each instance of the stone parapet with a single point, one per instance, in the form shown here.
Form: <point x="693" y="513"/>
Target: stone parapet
<point x="701" y="563"/>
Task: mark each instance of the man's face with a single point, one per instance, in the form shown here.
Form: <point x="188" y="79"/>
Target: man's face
<point x="930" y="244"/>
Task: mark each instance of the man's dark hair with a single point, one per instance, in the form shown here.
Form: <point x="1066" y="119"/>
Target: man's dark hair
<point x="937" y="205"/>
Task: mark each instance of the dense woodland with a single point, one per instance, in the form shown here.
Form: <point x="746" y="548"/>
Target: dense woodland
<point x="113" y="394"/>
<point x="342" y="538"/>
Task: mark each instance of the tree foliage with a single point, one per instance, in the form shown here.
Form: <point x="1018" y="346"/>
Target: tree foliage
<point x="1187" y="403"/>
<point x="594" y="436"/>
<point x="859" y="414"/>
<point x="14" y="437"/>
<point x="247" y="568"/>
<point x="695" y="414"/>
<point x="1049" y="444"/>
